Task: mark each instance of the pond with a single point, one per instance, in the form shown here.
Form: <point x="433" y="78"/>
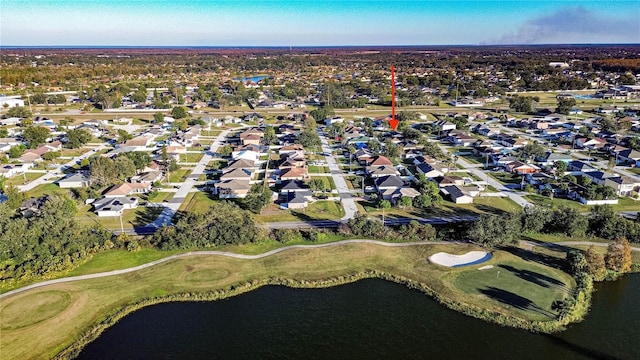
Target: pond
<point x="363" y="320"/>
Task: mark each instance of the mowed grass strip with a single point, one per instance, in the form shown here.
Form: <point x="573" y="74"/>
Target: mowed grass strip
<point x="92" y="300"/>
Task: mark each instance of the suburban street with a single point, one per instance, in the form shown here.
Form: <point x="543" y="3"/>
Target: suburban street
<point x="346" y="198"/>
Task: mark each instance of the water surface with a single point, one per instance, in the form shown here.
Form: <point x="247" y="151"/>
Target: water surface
<point x="369" y="319"/>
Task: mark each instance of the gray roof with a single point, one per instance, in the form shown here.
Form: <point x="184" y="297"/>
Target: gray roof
<point x="389" y="181"/>
<point x="113" y="203"/>
<point x="76" y="177"/>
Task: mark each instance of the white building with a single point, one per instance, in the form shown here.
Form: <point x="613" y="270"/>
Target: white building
<point x="11" y="101"/>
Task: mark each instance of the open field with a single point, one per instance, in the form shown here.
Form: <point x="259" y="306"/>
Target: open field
<point x="492" y="205"/>
<point x="41" y="322"/>
<point x="319" y="210"/>
<point x="197" y="202"/>
<point x="22" y="179"/>
<point x="179" y="175"/>
<point x="47" y="189"/>
<point x="624" y="204"/>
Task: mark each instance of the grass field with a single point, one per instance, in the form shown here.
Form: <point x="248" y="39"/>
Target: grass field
<point x="47" y="189"/>
<point x="22" y="179"/>
<point x="492" y="205"/>
<point x="319" y="210"/>
<point x="191" y="158"/>
<point x="179" y="175"/>
<point x="624" y="204"/>
<point x="41" y="322"/>
<point x="198" y="202"/>
<point x="313" y="169"/>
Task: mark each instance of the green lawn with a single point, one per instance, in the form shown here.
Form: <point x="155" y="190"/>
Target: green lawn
<point x="313" y="169"/>
<point x="527" y="288"/>
<point x="131" y="218"/>
<point x="162" y="196"/>
<point x="624" y="204"/>
<point x="506" y="178"/>
<point x="179" y="175"/>
<point x="22" y="179"/>
<point x="481" y="205"/>
<point x="634" y="170"/>
<point x="191" y="158"/>
<point x="319" y="210"/>
<point x="517" y="291"/>
<point x="198" y="202"/>
<point x="47" y="189"/>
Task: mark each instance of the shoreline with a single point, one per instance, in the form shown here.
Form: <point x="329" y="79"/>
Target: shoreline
<point x="550" y="326"/>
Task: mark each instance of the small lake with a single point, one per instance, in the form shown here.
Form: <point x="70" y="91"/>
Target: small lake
<point x="369" y="319"/>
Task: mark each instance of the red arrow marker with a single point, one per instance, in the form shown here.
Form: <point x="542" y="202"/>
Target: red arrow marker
<point x="394" y="124"/>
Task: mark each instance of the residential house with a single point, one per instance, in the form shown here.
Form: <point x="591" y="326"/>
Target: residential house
<point x="293" y="186"/>
<point x="388" y="182"/>
<point x="444" y="125"/>
<point x="551" y="157"/>
<point x="241" y="164"/>
<point x="140" y="143"/>
<point x="377" y="171"/>
<point x="623" y="185"/>
<point x="449" y="180"/>
<point x="395" y="194"/>
<point x="294" y="174"/>
<point x="114" y="206"/>
<point x="521" y="168"/>
<point x="76" y="180"/>
<point x="457" y="194"/>
<point x="594" y="143"/>
<point x="296" y="199"/>
<point x="628" y="155"/>
<point x="290" y="149"/>
<point x="233" y="188"/>
<point x="596" y="177"/>
<point x="236" y="174"/>
<point x="379" y="160"/>
<point x="148" y="177"/>
<point x="429" y="171"/>
<point x="10" y="170"/>
<point x="333" y="120"/>
<point x="580" y="167"/>
<point x="245" y="154"/>
<point x="126" y="189"/>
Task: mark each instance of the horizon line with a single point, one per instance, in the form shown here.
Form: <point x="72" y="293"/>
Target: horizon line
<point x="303" y="46"/>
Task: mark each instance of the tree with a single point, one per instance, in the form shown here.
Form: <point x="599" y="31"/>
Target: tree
<point x="35" y="136"/>
<point x="77" y="138"/>
<point x="309" y="139"/>
<point x="178" y="112"/>
<point x="534" y="218"/>
<point x="561" y="167"/>
<point x="123" y="136"/>
<point x="270" y="135"/>
<point x="604" y="222"/>
<point x="618" y="256"/>
<point x="225" y="150"/>
<point x="140" y="158"/>
<point x="51" y="155"/>
<point x="491" y="230"/>
<point x="2" y="181"/>
<point x="19" y="111"/>
<point x="565" y="105"/>
<point x="316" y="184"/>
<point x="414" y="231"/>
<point x="391" y="150"/>
<point x="258" y="197"/>
<point x="3" y="132"/>
<point x="532" y="150"/>
<point x="124" y="167"/>
<point x="322" y="113"/>
<point x="16" y="151"/>
<point x="568" y="221"/>
<point x="595" y="263"/>
<point x="405" y="202"/>
<point x="173" y="165"/>
<point x="102" y="171"/>
<point x="521" y="103"/>
<point x="158" y="117"/>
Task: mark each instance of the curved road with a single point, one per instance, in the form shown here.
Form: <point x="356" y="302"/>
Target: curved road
<point x="269" y="253"/>
<point x="214" y="252"/>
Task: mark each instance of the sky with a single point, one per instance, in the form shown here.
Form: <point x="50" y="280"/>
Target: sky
<point x="316" y="23"/>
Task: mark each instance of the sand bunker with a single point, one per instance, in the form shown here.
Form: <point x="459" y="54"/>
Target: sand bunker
<point x="450" y="260"/>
